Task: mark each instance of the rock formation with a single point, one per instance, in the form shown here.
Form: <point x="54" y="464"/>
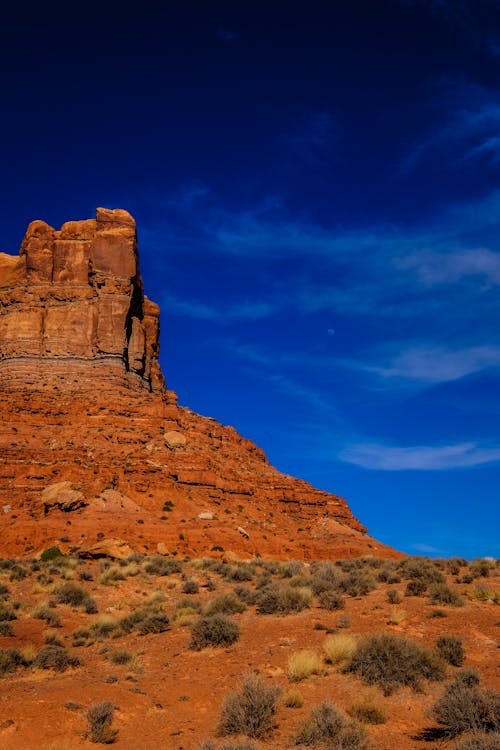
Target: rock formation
<point x="93" y="446"/>
<point x="73" y="301"/>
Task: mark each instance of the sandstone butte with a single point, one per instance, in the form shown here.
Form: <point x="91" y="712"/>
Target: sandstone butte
<point x="96" y="455"/>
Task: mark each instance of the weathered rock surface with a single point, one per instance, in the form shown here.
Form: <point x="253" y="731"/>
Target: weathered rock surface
<point x="73" y="301"/>
<point x="83" y="407"/>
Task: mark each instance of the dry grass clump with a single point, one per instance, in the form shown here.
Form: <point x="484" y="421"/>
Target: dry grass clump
<point x="47" y="613"/>
<point x="339" y="648"/>
<point x="367" y="712"/>
<point x="441" y="593"/>
<point x="303" y="664"/>
<point x="391" y="661"/>
<point x="225" y="604"/>
<point x="327" y="724"/>
<point x="293" y="698"/>
<point x="394" y="596"/>
<point x="55" y="657"/>
<point x="396" y="616"/>
<point x="213" y="630"/>
<point x="161" y="566"/>
<point x="251" y="710"/>
<point x="464" y="707"/>
<point x="282" y="599"/>
<point x="7" y="613"/>
<point x="10" y="660"/>
<point x="100" y="717"/>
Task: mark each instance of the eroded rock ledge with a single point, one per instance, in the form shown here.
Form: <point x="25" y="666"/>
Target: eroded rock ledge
<point x="75" y="297"/>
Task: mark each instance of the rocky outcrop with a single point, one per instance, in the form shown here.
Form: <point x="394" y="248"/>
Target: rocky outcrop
<point x="92" y="445"/>
<point x="73" y="301"/>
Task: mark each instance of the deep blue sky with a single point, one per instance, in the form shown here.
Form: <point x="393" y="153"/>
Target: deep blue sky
<point x="316" y="187"/>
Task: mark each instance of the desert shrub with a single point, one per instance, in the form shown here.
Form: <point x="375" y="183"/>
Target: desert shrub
<point x="100" y="717"/>
<point x="467" y="676"/>
<point x="239" y="745"/>
<point x="192" y="604"/>
<point x="10" y="660"/>
<point x="245" y="594"/>
<point x="213" y="630"/>
<point x="367" y="712"/>
<point x="441" y="593"/>
<point x="71" y="593"/>
<point x="331" y="599"/>
<point x="51" y="553"/>
<point x="339" y="647"/>
<point x="455" y="563"/>
<point x="293" y="698"/>
<point x="47" y="614"/>
<point x="328" y="725"/>
<point x="323" y="723"/>
<point x="249" y="711"/>
<point x="145" y="621"/>
<point x="111" y="575"/>
<point x="325" y="575"/>
<point x="478" y="741"/>
<point x="226" y="604"/>
<point x="162" y="566"/>
<point x="481" y="567"/>
<point x="120" y="656"/>
<point x="464" y="708"/>
<point x="103" y="627"/>
<point x="394" y="596"/>
<point x="6" y="628"/>
<point x="420" y="568"/>
<point x="358" y="583"/>
<point x="450" y="648"/>
<point x="7" y="614"/>
<point x="51" y="637"/>
<point x="302" y="664"/>
<point x="282" y="599"/>
<point x="190" y="586"/>
<point x="416" y="587"/>
<point x="4" y="591"/>
<point x="55" y="657"/>
<point x="396" y="616"/>
<point x="240" y="572"/>
<point x="85" y="575"/>
<point x="291" y="568"/>
<point x="391" y="661"/>
<point x="17" y="573"/>
<point x="437" y="613"/>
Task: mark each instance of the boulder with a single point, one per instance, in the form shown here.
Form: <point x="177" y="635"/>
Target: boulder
<point x="62" y="496"/>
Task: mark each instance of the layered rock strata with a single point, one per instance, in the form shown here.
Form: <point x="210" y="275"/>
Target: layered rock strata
<point x="93" y="446"/>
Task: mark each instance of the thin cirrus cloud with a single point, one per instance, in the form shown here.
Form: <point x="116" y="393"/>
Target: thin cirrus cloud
<point x="230" y="314"/>
<point x="380" y="457"/>
<point x="436" y="364"/>
<point x="472" y="127"/>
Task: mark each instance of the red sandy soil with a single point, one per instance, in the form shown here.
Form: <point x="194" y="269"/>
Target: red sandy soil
<point x="172" y="697"/>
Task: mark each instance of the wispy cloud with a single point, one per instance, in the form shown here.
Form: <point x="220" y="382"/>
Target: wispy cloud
<point x="472" y="129"/>
<point x="230" y="314"/>
<point x="435" y="268"/>
<point x="380" y="457"/>
<point x="436" y="364"/>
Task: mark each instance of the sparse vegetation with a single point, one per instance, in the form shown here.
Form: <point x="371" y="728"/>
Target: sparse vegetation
<point x="213" y="630"/>
<point x="55" y="657"/>
<point x="303" y="664"/>
<point x="391" y="661"/>
<point x="338" y="648"/>
<point x="450" y="648"/>
<point x="327" y="724"/>
<point x="251" y="710"/>
<point x="100" y="718"/>
<point x="465" y="707"/>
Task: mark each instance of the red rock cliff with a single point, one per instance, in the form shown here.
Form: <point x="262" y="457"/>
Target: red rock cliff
<point x="73" y="301"/>
<point x="91" y="443"/>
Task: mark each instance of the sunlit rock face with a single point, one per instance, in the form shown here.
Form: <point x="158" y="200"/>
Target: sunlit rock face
<point x="93" y="446"/>
<point x="73" y="301"/>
